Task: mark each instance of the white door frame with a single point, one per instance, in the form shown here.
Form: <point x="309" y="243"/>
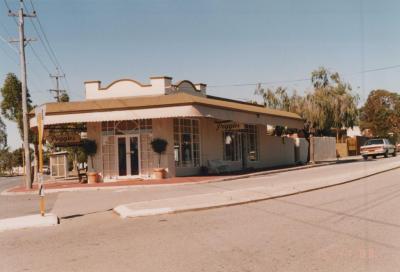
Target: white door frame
<point x="127" y="154"/>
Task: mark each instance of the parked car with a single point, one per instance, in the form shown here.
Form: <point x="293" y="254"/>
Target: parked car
<point x="46" y="170"/>
<point x="377" y="147"/>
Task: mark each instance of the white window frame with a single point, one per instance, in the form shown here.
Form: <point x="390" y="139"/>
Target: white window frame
<point x="238" y="146"/>
<point x="257" y="143"/>
<point x="179" y="163"/>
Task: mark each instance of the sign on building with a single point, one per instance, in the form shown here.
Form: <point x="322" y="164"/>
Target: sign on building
<point x="67" y="138"/>
<point x="229" y="126"/>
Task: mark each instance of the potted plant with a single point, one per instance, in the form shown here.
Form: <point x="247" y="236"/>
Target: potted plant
<point x="90" y="148"/>
<point x="159" y="146"/>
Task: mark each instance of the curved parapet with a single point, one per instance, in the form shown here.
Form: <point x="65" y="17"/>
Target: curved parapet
<point x="132" y="88"/>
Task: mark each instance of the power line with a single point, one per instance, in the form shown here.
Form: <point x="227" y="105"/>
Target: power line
<point x="9" y="56"/>
<point x="16" y="61"/>
<point x="5" y="29"/>
<point x="9" y="10"/>
<point x="38" y="58"/>
<point x="15" y="50"/>
<point x="46" y="44"/>
<point x="263" y="83"/>
<point x="52" y="55"/>
<point x="303" y="79"/>
<point x="44" y="41"/>
<point x="40" y="38"/>
<point x="381" y="69"/>
<point x="7" y="6"/>
<point x="8" y="34"/>
<point x="45" y="37"/>
<point x="4" y="40"/>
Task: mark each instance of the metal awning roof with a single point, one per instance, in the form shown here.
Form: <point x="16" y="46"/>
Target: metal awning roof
<point x="165" y="106"/>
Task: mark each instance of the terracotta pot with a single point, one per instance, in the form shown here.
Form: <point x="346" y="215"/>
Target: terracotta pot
<point x="159" y="173"/>
<point x="92" y="177"/>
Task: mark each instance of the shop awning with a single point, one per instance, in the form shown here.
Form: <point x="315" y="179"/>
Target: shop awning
<point x="165" y="106"/>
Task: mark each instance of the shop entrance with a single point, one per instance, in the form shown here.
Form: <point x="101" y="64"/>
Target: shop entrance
<point x="128" y="156"/>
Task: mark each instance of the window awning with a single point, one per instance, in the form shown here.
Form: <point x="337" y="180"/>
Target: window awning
<point x="170" y="112"/>
<point x="165" y="106"/>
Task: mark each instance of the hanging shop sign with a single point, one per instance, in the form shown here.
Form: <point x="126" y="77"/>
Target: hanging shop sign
<point x="64" y="139"/>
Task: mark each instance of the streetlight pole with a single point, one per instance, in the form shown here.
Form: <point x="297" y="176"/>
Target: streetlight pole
<point x="22" y="40"/>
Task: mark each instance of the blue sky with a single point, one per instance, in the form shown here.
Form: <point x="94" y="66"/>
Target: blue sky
<point x="215" y="42"/>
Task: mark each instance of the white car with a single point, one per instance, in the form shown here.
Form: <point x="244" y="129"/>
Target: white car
<point x="377" y="147"/>
<point x="46" y="170"/>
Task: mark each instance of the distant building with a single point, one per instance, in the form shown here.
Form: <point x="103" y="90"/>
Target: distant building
<point x="354" y="132"/>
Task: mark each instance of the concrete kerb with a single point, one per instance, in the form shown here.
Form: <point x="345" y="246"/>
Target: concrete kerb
<point x="29" y="221"/>
<point x="260" y="173"/>
<point x="124" y="211"/>
<point x="270" y="172"/>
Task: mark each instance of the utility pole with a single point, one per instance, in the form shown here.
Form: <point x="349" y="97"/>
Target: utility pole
<point x="57" y="92"/>
<point x="21" y="15"/>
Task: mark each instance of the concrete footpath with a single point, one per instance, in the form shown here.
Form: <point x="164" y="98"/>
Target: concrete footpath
<point x="75" y="186"/>
<point x="268" y="190"/>
<point x="29" y="221"/>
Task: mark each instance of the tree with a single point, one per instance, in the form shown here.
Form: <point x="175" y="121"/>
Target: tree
<point x="331" y="104"/>
<point x="11" y="106"/>
<point x="6" y="163"/>
<point x="3" y="135"/>
<point x="274" y="99"/>
<point x="381" y="114"/>
<point x="159" y="146"/>
<point x="18" y="157"/>
<point x="333" y="101"/>
<point x="64" y="97"/>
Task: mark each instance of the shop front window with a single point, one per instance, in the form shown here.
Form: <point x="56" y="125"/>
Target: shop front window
<point x="252" y="142"/>
<point x="126" y="127"/>
<point x="232" y="146"/>
<point x="233" y="140"/>
<point x="186" y="143"/>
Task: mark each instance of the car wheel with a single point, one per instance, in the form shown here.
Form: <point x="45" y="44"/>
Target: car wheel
<point x="394" y="153"/>
<point x="386" y="154"/>
<point x="365" y="158"/>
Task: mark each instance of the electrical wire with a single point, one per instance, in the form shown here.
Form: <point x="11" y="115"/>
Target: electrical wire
<point x="38" y="58"/>
<point x="46" y="45"/>
<point x="304" y="79"/>
<point x="9" y="45"/>
<point x="50" y="50"/>
<point x="41" y="38"/>
<point x="9" y="10"/>
<point x="9" y="56"/>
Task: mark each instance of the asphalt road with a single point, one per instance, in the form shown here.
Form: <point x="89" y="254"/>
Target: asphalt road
<point x="12" y="206"/>
<point x="86" y="202"/>
<point x="352" y="227"/>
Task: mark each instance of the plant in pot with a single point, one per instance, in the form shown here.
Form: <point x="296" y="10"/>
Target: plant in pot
<point x="159" y="146"/>
<point x="90" y="148"/>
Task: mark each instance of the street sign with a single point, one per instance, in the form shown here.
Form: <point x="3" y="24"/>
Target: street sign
<point x="40" y="113"/>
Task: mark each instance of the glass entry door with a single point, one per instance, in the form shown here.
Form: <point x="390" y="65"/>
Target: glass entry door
<point x="128" y="155"/>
